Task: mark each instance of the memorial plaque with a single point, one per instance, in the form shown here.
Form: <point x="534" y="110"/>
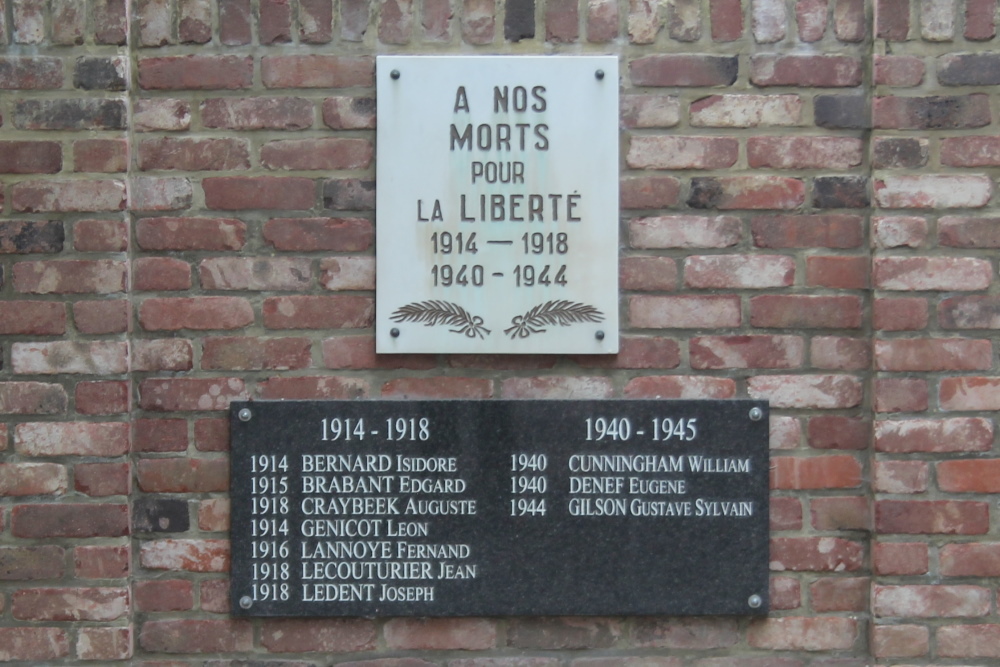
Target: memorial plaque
<point x="497" y="204"/>
<point x="468" y="508"/>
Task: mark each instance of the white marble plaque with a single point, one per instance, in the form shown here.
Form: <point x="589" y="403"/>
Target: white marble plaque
<point x="497" y="204"/>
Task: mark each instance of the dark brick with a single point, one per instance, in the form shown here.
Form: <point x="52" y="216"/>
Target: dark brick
<point x="28" y="236"/>
<point x="899" y="152"/>
<point x="969" y="69"/>
<point x="842" y="112"/>
<point x="69" y="520"/>
<point x="70" y="114"/>
<point x="519" y="22"/>
<point x="943" y="112"/>
<point x="30" y="73"/>
<point x="892" y="19"/>
<point x="25" y="563"/>
<point x="684" y="70"/>
<point x="349" y="194"/>
<point x="841" y="192"/>
<point x="99" y="74"/>
<point x="30" y="157"/>
<point x="160" y="515"/>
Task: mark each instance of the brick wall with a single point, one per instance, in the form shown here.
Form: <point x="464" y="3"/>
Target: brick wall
<point x="809" y="215"/>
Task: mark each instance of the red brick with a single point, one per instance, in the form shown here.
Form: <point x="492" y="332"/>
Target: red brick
<point x="166" y="395"/>
<point x="807" y="391"/>
<point x="235" y="22"/>
<point x="649" y="111"/>
<point x="797" y="633"/>
<point x="32" y="398"/>
<point x="970" y="393"/>
<point x="32" y="563"/>
<point x="186" y="555"/>
<point x="70" y="604"/>
<point x="154" y="274"/>
<point x="677" y="152"/>
<point x="72" y="520"/>
<point x="257" y="113"/>
<point x="34" y="318"/>
<point x="970" y="151"/>
<point x="165" y="354"/>
<point x="183" y="475"/>
<point x="68" y="196"/>
<point x="901" y="314"/>
<point x="840" y="353"/>
<point x="938" y="354"/>
<point x="155" y="193"/>
<point x="438" y="387"/>
<point x="816" y="554"/>
<point x="211" y="435"/>
<point x="685" y="633"/>
<point x="316" y="154"/>
<point x="201" y="313"/>
<point x="969" y="232"/>
<point x="101" y="562"/>
<point x="100" y="236"/>
<point x="969" y="476"/>
<point x="347" y="273"/>
<point x="738" y="271"/>
<point x="215" y="596"/>
<point x="727" y="20"/>
<point x="395" y="24"/>
<point x="944" y="517"/>
<point x="299" y="388"/>
<point x="804" y="152"/>
<point x="819" y="472"/>
<point x="350" y="113"/>
<point x="113" y="643"/>
<point x="196" y="636"/>
<point x="258" y="274"/>
<point x="33" y="644"/>
<point x="496" y="362"/>
<point x="102" y="398"/>
<point x="194" y="24"/>
<point x="32" y="479"/>
<point x="101" y="276"/>
<point x="841" y="513"/>
<point x="970" y="560"/>
<point x="323" y="635"/>
<point x="900" y="231"/>
<point x="785" y="432"/>
<point x="684" y="231"/>
<point x="805" y="311"/>
<point x="213" y="515"/>
<point x="187" y="154"/>
<point x="358" y="352"/>
<point x="235" y="193"/>
<point x="747" y="192"/>
<point x="899" y="70"/>
<point x="932" y="273"/>
<point x="900" y="558"/>
<point x="429" y="634"/>
<point x="683" y="70"/>
<point x="478" y="21"/>
<point x="556" y="388"/>
<point x="901" y="476"/>
<point x="746" y="352"/>
<point x="684" y="312"/>
<point x="275" y="21"/>
<point x="317" y="71"/>
<point x="164" y="595"/>
<point x="837" y="272"/>
<point x="901" y="395"/>
<point x="829" y="230"/>
<point x="99" y="480"/>
<point x="810" y="17"/>
<point x="195" y="72"/>
<point x="822" y="71"/>
<point x="958" y="434"/>
<point x="786" y="514"/>
<point x="309" y="234"/>
<point x="900" y="641"/>
<point x="647" y="273"/>
<point x="679" y="386"/>
<point x="649" y="192"/>
<point x="785" y="593"/>
<point x="30" y="157"/>
<point x="930" y="601"/>
<point x="836" y="432"/>
<point x="318" y="312"/>
<point x="160" y="435"/>
<point x="934" y="191"/>
<point x="104" y="156"/>
<point x="72" y="438"/>
<point x="30" y="73"/>
<point x="190" y="234"/>
<point x="980" y="22"/>
<point x="244" y="353"/>
<point x="840" y="594"/>
<point x="315" y="20"/>
<point x="969" y="641"/>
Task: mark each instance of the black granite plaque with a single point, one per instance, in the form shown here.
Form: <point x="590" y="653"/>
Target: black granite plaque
<point x="461" y="508"/>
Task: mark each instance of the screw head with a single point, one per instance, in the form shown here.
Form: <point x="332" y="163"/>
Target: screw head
<point x="756" y="414"/>
<point x="246" y="602"/>
<point x="394" y="74"/>
<point x="245" y="415"/>
<point x="599" y="74"/>
<point x="394" y="332"/>
<point x="755" y="601"/>
<point x="599" y="335"/>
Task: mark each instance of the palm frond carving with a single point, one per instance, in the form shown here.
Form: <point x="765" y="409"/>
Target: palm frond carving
<point x="552" y="313"/>
<point x="434" y="313"/>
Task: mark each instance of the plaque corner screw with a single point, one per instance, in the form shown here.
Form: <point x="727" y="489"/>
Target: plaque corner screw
<point x="755" y="601"/>
<point x="246" y="602"/>
<point x="394" y="74"/>
<point x="394" y="332"/>
<point x="756" y="414"/>
<point x="599" y="335"/>
<point x="245" y="414"/>
<point x="599" y="74"/>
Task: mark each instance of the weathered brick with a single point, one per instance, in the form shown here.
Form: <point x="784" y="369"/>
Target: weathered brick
<point x="72" y="438"/>
<point x="837" y="272"/>
<point x="317" y="71"/>
<point x="685" y="231"/>
<point x="801" y="311"/>
<point x="941" y="112"/>
<point x="395" y="24"/>
<point x="38" y="318"/>
<point x="602" y="21"/>
<point x="649" y="111"/>
<point x="931" y="273"/>
<point x="680" y="386"/>
<point x="23" y="237"/>
<point x="194" y="25"/>
<point x="68" y="196"/>
<point x="969" y="641"/>
<point x="91" y="358"/>
<point x="180" y="394"/>
<point x="349" y="194"/>
<point x="899" y="231"/>
<point x="892" y="19"/>
<point x="807" y="391"/>
<point x="32" y="479"/>
<point x="438" y="387"/>
<point x="970" y="312"/>
<point x="154" y="19"/>
<point x="201" y="313"/>
<point x="194" y="72"/>
<point x="300" y="388"/>
<point x="69" y="22"/>
<point x="933" y="354"/>
<point x="684" y="312"/>
<point x="440" y="633"/>
<point x="347" y="273"/>
<point x="850" y="23"/>
<point x="315" y="21"/>
<point x="930" y="601"/>
<point x="30" y="73"/>
<point x="556" y="388"/>
<point x="738" y="271"/>
<point x="70" y="604"/>
<point x="946" y="517"/>
<point x="900" y="558"/>
<point x="323" y="635"/>
<point x="904" y="71"/>
<point x="840" y="353"/>
<point x="32" y="398"/>
<point x="769" y="21"/>
<point x="683" y="70"/>
<point x="112" y="643"/>
<point x="310" y="234"/>
<point x="899" y="152"/>
<point x="257" y="113"/>
<point x="101" y="562"/>
<point x="649" y="192"/>
<point x="804" y="152"/>
<point x="156" y="193"/>
<point x="161" y="114"/>
<point x="828" y="230"/>
<point x="25" y="563"/>
<point x="969" y="232"/>
<point x="185" y="555"/>
<point x="190" y="234"/>
<point x="160" y="274"/>
<point x="901" y="394"/>
<point x="100" y="73"/>
<point x="478" y="20"/>
<point x="166" y="354"/>
<point x="213" y="515"/>
<point x="841" y="192"/>
<point x="842" y="112"/>
<point x="958" y="434"/>
<point x="102" y="398"/>
<point x="971" y="151"/>
<point x="817" y="472"/>
<point x="196" y="636"/>
<point x="100" y="480"/>
<point x="183" y="475"/>
<point x="72" y="520"/>
<point x="339" y="311"/>
<point x="970" y="560"/>
<point x="258" y="274"/>
<point x="900" y="641"/>
<point x="682" y="633"/>
<point x="103" y="156"/>
<point x="84" y="113"/>
<point x="645" y="20"/>
<point x="33" y="644"/>
<point x="250" y="353"/>
<point x="156" y="514"/>
<point x="185" y="154"/>
<point x="235" y="193"/>
<point x="901" y="476"/>
<point x="358" y="352"/>
<point x="902" y="314"/>
<point x="822" y="71"/>
<point x="677" y="152"/>
<point x="815" y="554"/>
<point x="969" y="393"/>
<point x="746" y="192"/>
<point x="969" y="69"/>
<point x="636" y="352"/>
